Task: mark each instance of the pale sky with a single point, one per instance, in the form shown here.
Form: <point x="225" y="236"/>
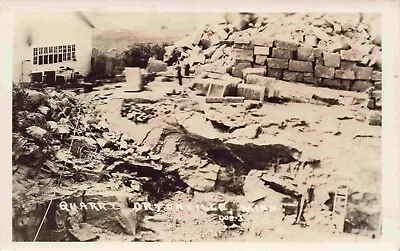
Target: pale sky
<point x="153" y="20"/>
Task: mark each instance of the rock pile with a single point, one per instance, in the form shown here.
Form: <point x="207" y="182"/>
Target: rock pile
<point x="138" y="112"/>
<point x="341" y="51"/>
<point x="72" y="139"/>
<point x="56" y="140"/>
<point x="46" y="123"/>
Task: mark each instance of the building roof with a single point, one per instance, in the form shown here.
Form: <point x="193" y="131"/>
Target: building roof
<point x="85" y="18"/>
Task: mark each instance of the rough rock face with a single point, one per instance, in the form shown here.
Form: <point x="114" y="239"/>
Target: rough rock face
<point x="73" y="216"/>
<point x="235" y="160"/>
<point x="224" y="168"/>
<point x="243" y="157"/>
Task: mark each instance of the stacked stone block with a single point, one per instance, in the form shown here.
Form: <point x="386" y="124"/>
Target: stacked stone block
<point x="288" y="61"/>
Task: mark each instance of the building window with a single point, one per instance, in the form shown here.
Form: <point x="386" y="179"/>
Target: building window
<point x="35" y="55"/>
<point x="64" y="57"/>
<point x="73" y="52"/>
<point x="55" y="59"/>
<point x="53" y="54"/>
<point x="69" y="53"/>
<point x="45" y="56"/>
<point x="60" y="54"/>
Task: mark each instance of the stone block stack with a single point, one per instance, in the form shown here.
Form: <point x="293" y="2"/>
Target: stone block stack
<point x="243" y="55"/>
<point x="345" y="69"/>
<point x="327" y="50"/>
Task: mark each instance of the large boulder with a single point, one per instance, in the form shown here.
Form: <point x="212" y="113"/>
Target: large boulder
<point x="34" y="99"/>
<point x="156" y="66"/>
<point x="36" y="132"/>
<point x="25" y="119"/>
<point x="204" y="178"/>
<point x="254" y="188"/>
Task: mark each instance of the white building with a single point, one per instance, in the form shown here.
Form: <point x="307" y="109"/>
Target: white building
<point x="46" y="42"/>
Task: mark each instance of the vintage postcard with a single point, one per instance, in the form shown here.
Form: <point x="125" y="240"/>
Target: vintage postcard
<point x="199" y="126"/>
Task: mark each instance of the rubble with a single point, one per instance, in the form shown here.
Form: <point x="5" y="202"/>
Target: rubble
<point x="292" y="51"/>
<point x="205" y="165"/>
<point x="139" y="111"/>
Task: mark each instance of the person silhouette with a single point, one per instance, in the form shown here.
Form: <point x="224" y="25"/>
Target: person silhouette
<point x="179" y="74"/>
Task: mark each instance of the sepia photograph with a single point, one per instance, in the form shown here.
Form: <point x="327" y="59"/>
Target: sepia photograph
<point x="196" y="126"/>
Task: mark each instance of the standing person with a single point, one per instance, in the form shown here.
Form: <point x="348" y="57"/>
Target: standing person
<point x="187" y="69"/>
<point x="179" y="74"/>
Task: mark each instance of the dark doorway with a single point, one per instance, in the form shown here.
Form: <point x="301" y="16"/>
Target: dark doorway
<point x="36" y="77"/>
<point x="49" y="78"/>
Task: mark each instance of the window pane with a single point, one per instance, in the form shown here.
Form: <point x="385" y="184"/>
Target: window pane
<point x="51" y="59"/>
<point x="51" y="49"/>
<point x="60" y="58"/>
<point x="69" y="48"/>
<point x="45" y="50"/>
<point x="40" y="60"/>
<point x="73" y="55"/>
<point x="64" y="48"/>
<point x="59" y="48"/>
<point x="69" y="56"/>
<point x="64" y="58"/>
<point x="73" y="47"/>
<point x="55" y="49"/>
<point x="35" y="60"/>
<point x="55" y="58"/>
<point x="46" y="59"/>
<point x="41" y="50"/>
